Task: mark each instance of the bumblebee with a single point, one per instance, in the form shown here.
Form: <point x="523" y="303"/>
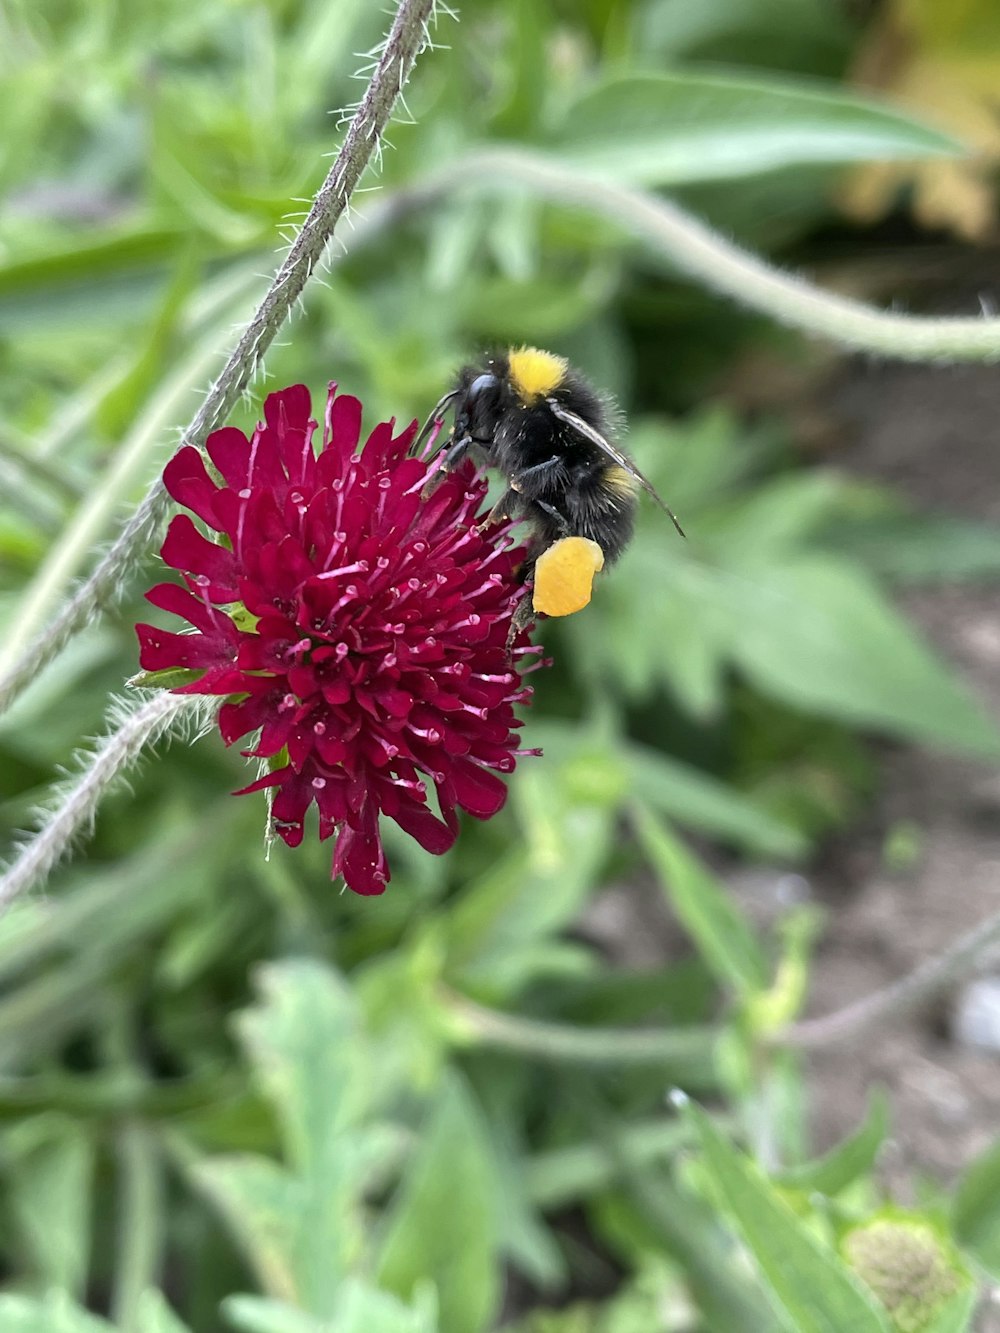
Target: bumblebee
<point x="542" y="426"/>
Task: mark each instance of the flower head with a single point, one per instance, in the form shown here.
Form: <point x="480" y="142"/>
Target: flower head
<point x="356" y="620"/>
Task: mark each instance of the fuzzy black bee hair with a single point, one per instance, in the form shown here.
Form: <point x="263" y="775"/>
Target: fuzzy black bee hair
<point x="544" y="428"/>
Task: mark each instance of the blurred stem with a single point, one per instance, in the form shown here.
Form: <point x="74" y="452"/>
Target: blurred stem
<point x="688" y="1052"/>
<point x="87" y="525"/>
<point x="717" y="263"/>
<point x="407" y="38"/>
<point x="117" y="751"/>
<point x="918" y="988"/>
<point x="140" y="1206"/>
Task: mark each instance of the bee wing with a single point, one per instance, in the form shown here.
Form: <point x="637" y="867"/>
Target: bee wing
<point x="606" y="447"/>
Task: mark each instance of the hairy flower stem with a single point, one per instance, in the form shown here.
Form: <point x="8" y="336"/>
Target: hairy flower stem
<point x="113" y="755"/>
<point x="918" y="988"/>
<point x="725" y="267"/>
<point x="407" y="37"/>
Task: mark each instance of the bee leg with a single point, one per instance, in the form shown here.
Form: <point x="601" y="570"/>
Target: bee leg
<point x="455" y="451"/>
<point x="550" y="511"/>
<point x="520" y="620"/>
<point x="517" y="479"/>
<point x="506" y="507"/>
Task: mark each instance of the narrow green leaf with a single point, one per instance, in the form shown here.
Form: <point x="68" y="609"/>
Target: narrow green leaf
<point x="668" y="129"/>
<point x="846" y="1162"/>
<point x="442" y="1224"/>
<point x="699" y="801"/>
<point x="721" y="934"/>
<point x="808" y="1280"/>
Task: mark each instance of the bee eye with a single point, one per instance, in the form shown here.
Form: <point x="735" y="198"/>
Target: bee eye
<point x="479" y="386"/>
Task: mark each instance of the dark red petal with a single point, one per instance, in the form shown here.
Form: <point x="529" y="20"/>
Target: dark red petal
<point x="187" y="480"/>
<point x="416" y="820"/>
<point x="229" y="450"/>
<point x="185" y="548"/>
<point x="344" y="415"/>
<point x="360" y="858"/>
<point x="159" y="650"/>
<point x="180" y="602"/>
<point x="476" y="790"/>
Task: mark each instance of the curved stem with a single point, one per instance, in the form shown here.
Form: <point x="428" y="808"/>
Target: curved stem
<point x="407" y="38"/>
<point x="115" y="753"/>
<point x="690" y="1052"/>
<point x="719" y="264"/>
<point x="918" y="988"/>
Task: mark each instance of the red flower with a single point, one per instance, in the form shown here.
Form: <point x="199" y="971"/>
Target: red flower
<point x="358" y="625"/>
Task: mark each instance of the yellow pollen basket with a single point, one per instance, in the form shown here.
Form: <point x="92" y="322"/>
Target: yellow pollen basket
<point x="535" y="373"/>
<point x="564" y="576"/>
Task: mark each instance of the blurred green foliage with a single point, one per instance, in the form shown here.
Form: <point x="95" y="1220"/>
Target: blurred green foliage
<point x="445" y="1108"/>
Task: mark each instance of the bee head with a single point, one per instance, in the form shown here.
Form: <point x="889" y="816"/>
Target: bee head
<point x="477" y="408"/>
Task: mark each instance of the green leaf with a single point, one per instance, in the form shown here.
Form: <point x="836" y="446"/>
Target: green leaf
<point x="442" y="1224"/>
<point x="266" y="1210"/>
<point x="723" y="937"/>
<point x="975" y="1211"/>
<point x="154" y="1315"/>
<point x="51" y="1176"/>
<point x="701" y="802"/>
<point x="819" y="635"/>
<point x="359" y="1309"/>
<point x="808" y="1280"/>
<point x="255" y="1314"/>
<point x="303" y="1042"/>
<point x="302" y="1228"/>
<point x="55" y="1313"/>
<point x="669" y="129"/>
<point x="845" y="1163"/>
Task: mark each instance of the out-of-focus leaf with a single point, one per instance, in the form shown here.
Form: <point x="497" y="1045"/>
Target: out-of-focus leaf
<point x="809" y="1281"/>
<point x="700" y="802"/>
<point x="55" y="1313"/>
<point x="442" y="1225"/>
<point x="846" y="1162"/>
<point x="359" y="1309"/>
<point x="302" y="1228"/>
<point x="503" y="930"/>
<point x="818" y="634"/>
<point x="975" y="1213"/>
<point x="668" y="129"/>
<point x="722" y="935"/>
<point x="50" y="1171"/>
<point x="154" y="1315"/>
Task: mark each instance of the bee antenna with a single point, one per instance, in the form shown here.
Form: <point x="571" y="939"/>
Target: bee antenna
<point x="436" y="415"/>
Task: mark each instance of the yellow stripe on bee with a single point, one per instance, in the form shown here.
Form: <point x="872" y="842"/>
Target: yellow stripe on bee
<point x="564" y="575"/>
<point x="620" y="480"/>
<point x="535" y="373"/>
